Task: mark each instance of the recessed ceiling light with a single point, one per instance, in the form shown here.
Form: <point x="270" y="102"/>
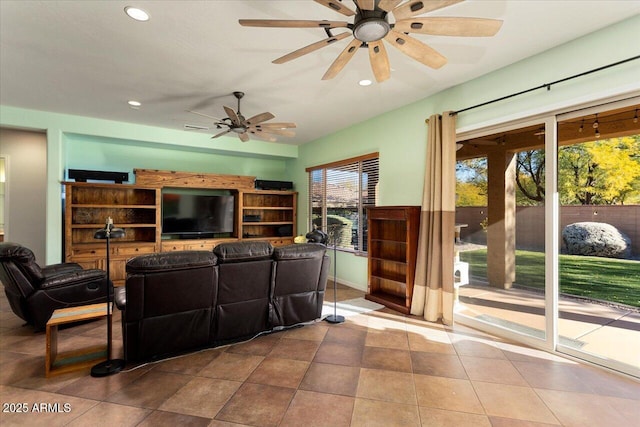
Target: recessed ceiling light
<point x="136" y="13"/>
<point x="365" y="82"/>
<point x="134" y="104"/>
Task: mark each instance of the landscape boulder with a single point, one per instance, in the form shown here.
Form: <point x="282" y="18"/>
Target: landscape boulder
<point x="596" y="239"/>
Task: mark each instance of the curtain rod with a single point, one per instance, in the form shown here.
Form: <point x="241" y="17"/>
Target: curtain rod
<point x="546" y="85"/>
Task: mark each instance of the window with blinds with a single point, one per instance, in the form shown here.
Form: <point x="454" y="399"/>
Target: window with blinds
<point x="339" y="193"/>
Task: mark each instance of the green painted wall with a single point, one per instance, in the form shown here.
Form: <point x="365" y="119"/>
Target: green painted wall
<point x="400" y="135"/>
<point x="87" y="143"/>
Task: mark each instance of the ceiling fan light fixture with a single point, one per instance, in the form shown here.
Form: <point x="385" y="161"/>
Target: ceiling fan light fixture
<point x="371" y="29"/>
<point x="136" y="13"/>
<point x="238" y="129"/>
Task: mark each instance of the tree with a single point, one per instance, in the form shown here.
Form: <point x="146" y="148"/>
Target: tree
<point x="471" y="182"/>
<point x="530" y="177"/>
<point x="600" y="172"/>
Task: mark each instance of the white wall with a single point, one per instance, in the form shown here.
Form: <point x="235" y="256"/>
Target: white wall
<point x="26" y="185"/>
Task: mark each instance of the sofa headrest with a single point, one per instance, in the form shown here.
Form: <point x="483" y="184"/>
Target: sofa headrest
<point x="24" y="258"/>
<point x="243" y="251"/>
<point x="165" y="261"/>
<point x="299" y="251"/>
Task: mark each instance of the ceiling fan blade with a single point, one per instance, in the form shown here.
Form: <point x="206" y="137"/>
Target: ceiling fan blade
<point x="415" y="49"/>
<point x="337" y="6"/>
<point x="232" y="115"/>
<point x="258" y="118"/>
<point x="295" y="23"/>
<point x="243" y="136"/>
<point x="388" y="5"/>
<point x="281" y="132"/>
<point x="282" y="125"/>
<point x="366" y="4"/>
<point x="310" y="48"/>
<point x="444" y="26"/>
<point x="204" y="115"/>
<point x="221" y="133"/>
<point x="342" y="59"/>
<point x="413" y="8"/>
<point x="263" y="136"/>
<point x="379" y="61"/>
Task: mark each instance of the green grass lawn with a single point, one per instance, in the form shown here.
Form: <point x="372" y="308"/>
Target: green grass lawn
<point x="605" y="279"/>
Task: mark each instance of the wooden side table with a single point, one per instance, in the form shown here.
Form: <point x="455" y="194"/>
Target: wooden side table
<point x="77" y="359"/>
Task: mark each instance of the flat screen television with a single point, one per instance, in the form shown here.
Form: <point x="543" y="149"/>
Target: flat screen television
<point x="188" y="215"/>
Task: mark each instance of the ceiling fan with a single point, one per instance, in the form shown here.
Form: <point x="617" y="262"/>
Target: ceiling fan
<point x="235" y="122"/>
<point x="371" y="25"/>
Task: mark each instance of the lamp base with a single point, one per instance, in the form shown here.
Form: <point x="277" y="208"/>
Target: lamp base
<point x="334" y="318"/>
<point x="108" y="367"/>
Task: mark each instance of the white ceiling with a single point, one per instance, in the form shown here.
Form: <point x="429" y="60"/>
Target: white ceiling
<point x="88" y="58"/>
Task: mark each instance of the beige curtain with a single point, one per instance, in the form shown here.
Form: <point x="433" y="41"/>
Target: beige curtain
<point x="433" y="284"/>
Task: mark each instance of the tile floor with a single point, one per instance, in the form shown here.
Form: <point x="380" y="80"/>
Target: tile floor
<point x="376" y="369"/>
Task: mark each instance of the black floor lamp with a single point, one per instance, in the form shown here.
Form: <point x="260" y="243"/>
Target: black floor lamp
<point x="333" y="232"/>
<point x="109" y="366"/>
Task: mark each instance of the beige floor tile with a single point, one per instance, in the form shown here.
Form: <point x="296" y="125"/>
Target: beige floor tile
<point x="260" y="346"/>
<point x="492" y="370"/>
<point x="386" y="358"/>
<point x="279" y="372"/>
<point x="110" y="414"/>
<point x="437" y="364"/>
<point x="447" y="393"/>
<point x="201" y="397"/>
<point x="333" y="379"/>
<point x="172" y="419"/>
<point x="477" y="347"/>
<point x="628" y="408"/>
<point x="550" y="375"/>
<point x="189" y="364"/>
<point x="581" y="409"/>
<point x="510" y="422"/>
<point x="432" y="417"/>
<point x="337" y="353"/>
<point x="389" y="386"/>
<point x="310" y="409"/>
<point x="395" y="339"/>
<point x="375" y="413"/>
<point x="342" y="333"/>
<point x="510" y="401"/>
<point x="257" y="405"/>
<point x="150" y="390"/>
<point x="230" y="366"/>
<point x="295" y="349"/>
<point x="313" y="332"/>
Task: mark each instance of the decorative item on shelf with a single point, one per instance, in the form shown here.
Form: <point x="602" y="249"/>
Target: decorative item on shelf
<point x="334" y="233"/>
<point x="109" y="366"/>
<point x="300" y="239"/>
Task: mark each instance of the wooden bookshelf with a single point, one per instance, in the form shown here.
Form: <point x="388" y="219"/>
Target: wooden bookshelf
<point x="392" y="249"/>
<point x="135" y="209"/>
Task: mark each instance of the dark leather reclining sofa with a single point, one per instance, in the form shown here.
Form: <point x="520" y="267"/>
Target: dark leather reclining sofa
<point x="175" y="302"/>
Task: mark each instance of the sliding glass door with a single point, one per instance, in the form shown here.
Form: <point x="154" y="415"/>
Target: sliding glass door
<point x="548" y="215"/>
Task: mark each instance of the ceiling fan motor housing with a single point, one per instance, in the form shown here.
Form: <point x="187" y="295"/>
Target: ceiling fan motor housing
<point x="370" y="25"/>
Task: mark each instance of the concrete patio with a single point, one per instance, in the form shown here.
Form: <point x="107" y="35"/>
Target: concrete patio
<point x="611" y="332"/>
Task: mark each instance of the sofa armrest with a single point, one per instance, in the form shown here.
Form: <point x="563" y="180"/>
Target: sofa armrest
<point x="74" y="278"/>
<point x="120" y="297"/>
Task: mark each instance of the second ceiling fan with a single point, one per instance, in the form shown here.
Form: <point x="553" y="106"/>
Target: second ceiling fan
<point x="371" y="25"/>
<point x="235" y="122"/>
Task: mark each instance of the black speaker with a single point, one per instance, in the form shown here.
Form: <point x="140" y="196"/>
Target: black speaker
<point x="263" y="184"/>
<point x="81" y="175"/>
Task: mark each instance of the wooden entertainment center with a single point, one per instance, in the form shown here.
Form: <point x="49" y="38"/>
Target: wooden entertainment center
<point x="259" y="215"/>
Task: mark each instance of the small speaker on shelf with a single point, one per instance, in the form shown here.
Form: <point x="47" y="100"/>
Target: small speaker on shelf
<point x="80" y="175"/>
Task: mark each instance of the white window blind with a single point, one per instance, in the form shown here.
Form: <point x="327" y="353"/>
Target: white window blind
<point x="338" y="196"/>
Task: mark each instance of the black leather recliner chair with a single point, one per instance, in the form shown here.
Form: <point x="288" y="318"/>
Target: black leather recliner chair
<point x="34" y="292"/>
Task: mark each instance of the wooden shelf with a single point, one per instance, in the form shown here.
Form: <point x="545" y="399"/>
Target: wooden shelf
<point x="392" y="249"/>
<point x="268" y="215"/>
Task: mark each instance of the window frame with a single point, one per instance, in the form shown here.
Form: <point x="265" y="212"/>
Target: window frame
<point x="357" y="162"/>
